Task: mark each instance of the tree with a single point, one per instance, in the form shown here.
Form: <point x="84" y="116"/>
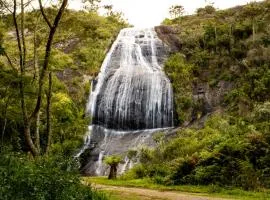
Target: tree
<point x="19" y="26"/>
<point x="252" y="10"/>
<point x="176" y="11"/>
<point x="109" y="9"/>
<point x="91" y="5"/>
<point x="113" y="161"/>
<point x="209" y="9"/>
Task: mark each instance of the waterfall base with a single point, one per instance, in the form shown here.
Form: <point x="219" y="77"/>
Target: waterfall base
<point x="105" y="142"/>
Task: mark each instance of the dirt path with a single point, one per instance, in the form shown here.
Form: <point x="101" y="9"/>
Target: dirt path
<point x="149" y="194"/>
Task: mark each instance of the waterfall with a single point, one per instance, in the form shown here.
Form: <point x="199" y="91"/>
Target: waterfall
<point x="124" y="167"/>
<point x="99" y="166"/>
<point x="87" y="141"/>
<point x="130" y="99"/>
<point x="131" y="91"/>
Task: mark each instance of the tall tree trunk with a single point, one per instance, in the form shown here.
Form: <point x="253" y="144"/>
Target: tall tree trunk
<point x="22" y="33"/>
<point x="48" y="113"/>
<point x="36" y="65"/>
<point x="4" y="125"/>
<point x="22" y="50"/>
<point x="37" y="135"/>
<point x="28" y="139"/>
<point x="36" y="70"/>
<point x="36" y="77"/>
<point x="7" y="102"/>
<point x="3" y="131"/>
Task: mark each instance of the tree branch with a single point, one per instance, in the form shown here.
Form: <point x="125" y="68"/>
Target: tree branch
<point x="21" y="59"/>
<point x="23" y="36"/>
<point x="48" y="114"/>
<point x="44" y="14"/>
<point x="6" y="6"/>
<point x="10" y="62"/>
<point x="47" y="56"/>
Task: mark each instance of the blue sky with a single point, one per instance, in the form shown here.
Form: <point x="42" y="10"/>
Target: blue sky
<point x="148" y="13"/>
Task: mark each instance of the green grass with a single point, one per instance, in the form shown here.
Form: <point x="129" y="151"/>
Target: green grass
<point x="212" y="190"/>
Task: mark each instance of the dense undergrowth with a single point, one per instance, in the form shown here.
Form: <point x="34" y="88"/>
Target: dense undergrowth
<point x="22" y="177"/>
<point x="226" y="152"/>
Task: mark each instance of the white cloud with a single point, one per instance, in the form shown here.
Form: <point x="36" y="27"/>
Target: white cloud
<point x="147" y="13"/>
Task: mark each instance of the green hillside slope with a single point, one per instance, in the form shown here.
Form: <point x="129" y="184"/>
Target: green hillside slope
<point x="220" y="72"/>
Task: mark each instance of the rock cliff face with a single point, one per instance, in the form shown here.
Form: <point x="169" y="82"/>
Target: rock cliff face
<point x="168" y="35"/>
<point x="209" y="99"/>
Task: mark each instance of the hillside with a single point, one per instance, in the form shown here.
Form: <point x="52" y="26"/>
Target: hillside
<point x="220" y="72"/>
<point x="226" y="54"/>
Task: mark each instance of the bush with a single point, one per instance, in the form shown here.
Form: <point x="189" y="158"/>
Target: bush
<point x="209" y="9"/>
<point x="137" y="172"/>
<point x="43" y="178"/>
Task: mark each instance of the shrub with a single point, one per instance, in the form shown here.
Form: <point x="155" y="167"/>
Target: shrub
<point x="209" y="9"/>
<point x="137" y="172"/>
<point x="43" y="178"/>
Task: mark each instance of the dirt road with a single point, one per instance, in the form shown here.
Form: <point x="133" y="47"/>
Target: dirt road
<point x="149" y="194"/>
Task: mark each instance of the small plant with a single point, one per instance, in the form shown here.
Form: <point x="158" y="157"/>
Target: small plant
<point x="113" y="161"/>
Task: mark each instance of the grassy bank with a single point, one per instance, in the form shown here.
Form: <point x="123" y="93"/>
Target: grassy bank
<point x="212" y="190"/>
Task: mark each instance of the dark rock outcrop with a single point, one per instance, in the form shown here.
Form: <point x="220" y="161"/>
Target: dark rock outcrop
<point x="169" y="35"/>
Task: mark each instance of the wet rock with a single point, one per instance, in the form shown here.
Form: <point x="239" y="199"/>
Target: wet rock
<point x="113" y="142"/>
<point x="169" y="35"/>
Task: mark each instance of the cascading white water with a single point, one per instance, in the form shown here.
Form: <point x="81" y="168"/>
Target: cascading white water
<point x="130" y="100"/>
<point x="87" y="141"/>
<point x="131" y="91"/>
<point x="124" y="167"/>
